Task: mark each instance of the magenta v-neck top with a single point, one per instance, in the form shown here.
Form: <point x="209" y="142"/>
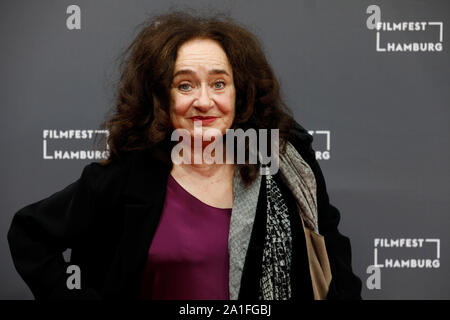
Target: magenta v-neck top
<point x="188" y="258"/>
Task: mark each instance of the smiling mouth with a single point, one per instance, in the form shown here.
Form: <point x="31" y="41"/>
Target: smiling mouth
<point x="204" y="119"/>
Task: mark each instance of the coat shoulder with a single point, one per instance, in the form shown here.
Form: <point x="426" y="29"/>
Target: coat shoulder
<point x="302" y="142"/>
<point x="106" y="179"/>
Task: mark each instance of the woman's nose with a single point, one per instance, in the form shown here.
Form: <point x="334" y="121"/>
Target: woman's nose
<point x="204" y="100"/>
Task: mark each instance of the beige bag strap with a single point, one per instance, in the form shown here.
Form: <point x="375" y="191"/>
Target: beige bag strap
<point x="319" y="266"/>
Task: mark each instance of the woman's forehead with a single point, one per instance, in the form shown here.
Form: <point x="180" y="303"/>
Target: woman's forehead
<point x="202" y="55"/>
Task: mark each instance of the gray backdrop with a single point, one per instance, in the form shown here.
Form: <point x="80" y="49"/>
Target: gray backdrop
<point x="385" y="115"/>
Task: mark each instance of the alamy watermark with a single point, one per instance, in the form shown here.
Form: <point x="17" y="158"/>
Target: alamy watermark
<point x="190" y="149"/>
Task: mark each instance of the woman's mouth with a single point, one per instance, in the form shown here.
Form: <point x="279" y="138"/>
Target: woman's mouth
<point x="204" y="120"/>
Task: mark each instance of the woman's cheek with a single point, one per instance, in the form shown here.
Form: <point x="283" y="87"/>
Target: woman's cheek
<point x="181" y="105"/>
<point x="227" y="105"/>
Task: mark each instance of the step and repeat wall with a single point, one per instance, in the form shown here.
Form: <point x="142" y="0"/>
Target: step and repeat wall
<point x="370" y="80"/>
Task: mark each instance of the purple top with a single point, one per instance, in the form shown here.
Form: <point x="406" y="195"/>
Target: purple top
<point x="188" y="258"/>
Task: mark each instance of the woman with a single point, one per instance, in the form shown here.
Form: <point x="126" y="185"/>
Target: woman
<point x="142" y="226"/>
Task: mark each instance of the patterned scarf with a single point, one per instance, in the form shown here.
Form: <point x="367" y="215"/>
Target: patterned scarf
<point x="275" y="283"/>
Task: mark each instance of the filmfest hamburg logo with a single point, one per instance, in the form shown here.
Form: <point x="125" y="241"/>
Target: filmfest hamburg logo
<point x="374" y="22"/>
<point x="406" y="246"/>
<point x="72" y="134"/>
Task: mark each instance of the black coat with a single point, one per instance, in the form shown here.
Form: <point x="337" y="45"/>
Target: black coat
<point x="109" y="216"/>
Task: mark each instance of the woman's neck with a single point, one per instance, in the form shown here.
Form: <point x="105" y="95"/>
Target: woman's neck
<point x="204" y="170"/>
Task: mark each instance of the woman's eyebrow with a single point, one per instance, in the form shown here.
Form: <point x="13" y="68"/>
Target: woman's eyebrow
<point x="213" y="71"/>
<point x="218" y="71"/>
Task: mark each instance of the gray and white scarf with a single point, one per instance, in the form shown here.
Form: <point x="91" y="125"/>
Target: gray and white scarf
<point x="275" y="282"/>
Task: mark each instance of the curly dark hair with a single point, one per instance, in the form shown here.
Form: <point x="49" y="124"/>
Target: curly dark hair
<point x="141" y="115"/>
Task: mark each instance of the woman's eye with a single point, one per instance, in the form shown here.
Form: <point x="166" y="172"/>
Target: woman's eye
<point x="219" y="85"/>
<point x="184" y="87"/>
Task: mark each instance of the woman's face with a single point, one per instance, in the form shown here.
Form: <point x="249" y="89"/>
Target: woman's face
<point x="202" y="89"/>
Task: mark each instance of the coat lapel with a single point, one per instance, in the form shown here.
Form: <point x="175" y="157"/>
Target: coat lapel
<point x="143" y="202"/>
